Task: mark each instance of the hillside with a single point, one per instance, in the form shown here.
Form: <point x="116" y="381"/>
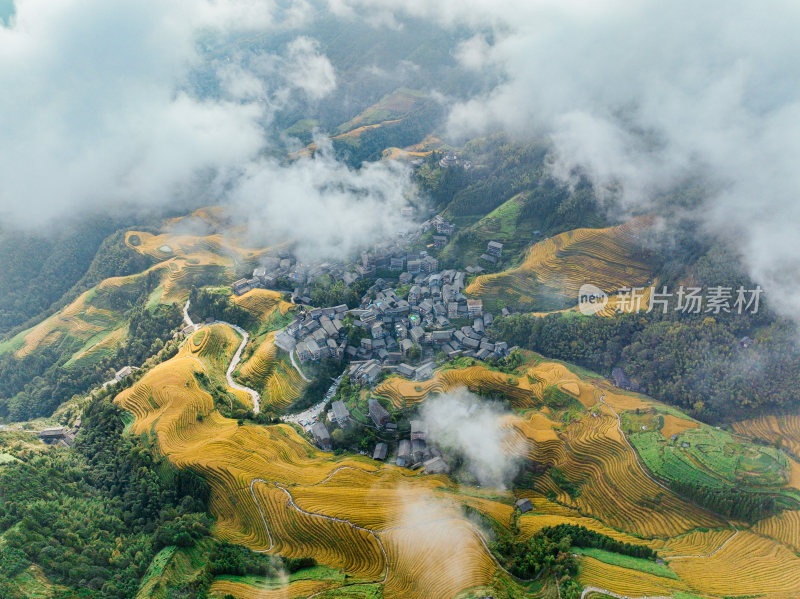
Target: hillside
<point x="253" y="469"/>
<point x="391" y="107"/>
<point x="345" y="511"/>
<point x="554" y="269"/>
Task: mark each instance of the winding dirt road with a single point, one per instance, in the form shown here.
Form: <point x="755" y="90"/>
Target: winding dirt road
<point x="297" y="367"/>
<point x="237" y="357"/>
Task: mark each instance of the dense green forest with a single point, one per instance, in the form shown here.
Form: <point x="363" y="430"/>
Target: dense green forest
<point x="216" y="304"/>
<point x="92" y="517"/>
<point x="697" y="364"/>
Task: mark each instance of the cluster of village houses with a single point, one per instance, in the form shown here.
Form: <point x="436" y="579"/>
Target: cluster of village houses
<point x="388" y="255"/>
<point x="391" y="255"/>
<point x="413" y="452"/>
<point x="392" y="326"/>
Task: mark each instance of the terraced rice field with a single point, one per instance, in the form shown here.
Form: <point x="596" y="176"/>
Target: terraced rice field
<point x="294" y="590"/>
<point x="94" y="322"/>
<point x="696" y="543"/>
<point x="460" y="558"/>
<point x="772" y="429"/>
<point x="272" y="491"/>
<point x="591" y="452"/>
<point x="398" y="103"/>
<point x="524" y="391"/>
<point x="674" y="425"/>
<point x="748" y="565"/>
<point x="783" y="527"/>
<point x="608" y="258"/>
<point x="278" y="382"/>
<point x="625" y="582"/>
<point x="263" y="302"/>
<point x="614" y="487"/>
<point x="192" y="260"/>
<point x="95" y="318"/>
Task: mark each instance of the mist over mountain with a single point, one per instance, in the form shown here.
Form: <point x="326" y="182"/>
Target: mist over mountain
<point x="644" y="98"/>
<point x="293" y="299"/>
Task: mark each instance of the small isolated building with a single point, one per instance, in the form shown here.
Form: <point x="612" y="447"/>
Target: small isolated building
<point x="524" y="505"/>
<point x="58" y="435"/>
<point x="378" y="413"/>
<point x="321" y="436"/>
<point x="494" y="248"/>
<point x="124" y="372"/>
<point x="380" y="452"/>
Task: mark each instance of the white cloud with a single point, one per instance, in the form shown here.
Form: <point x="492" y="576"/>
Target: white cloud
<point x="462" y="421"/>
<point x="96" y="110"/>
<point x="309" y="70"/>
<point x="328" y="209"/>
<point x="643" y="95"/>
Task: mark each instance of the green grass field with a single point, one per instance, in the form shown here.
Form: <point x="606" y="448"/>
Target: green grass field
<point x="315" y="573"/>
<point x="503" y="224"/>
<point x="626" y="561"/>
<point x="710" y="457"/>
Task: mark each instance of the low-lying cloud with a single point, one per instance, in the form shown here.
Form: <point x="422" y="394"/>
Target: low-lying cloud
<point x="460" y="420"/>
<point x="645" y="96"/>
<point x="428" y="526"/>
<point x="326" y="208"/>
<point x="118" y="108"/>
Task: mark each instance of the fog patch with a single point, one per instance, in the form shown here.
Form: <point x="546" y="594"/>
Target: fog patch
<point x="461" y="421"/>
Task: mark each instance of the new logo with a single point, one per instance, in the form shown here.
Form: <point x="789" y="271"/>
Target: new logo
<point x="591" y="299"/>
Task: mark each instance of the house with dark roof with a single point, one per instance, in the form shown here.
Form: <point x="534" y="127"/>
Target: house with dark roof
<point x="406" y="370"/>
<point x="378" y="413"/>
<point x="524" y="505"/>
<point x="436" y="466"/>
<point x="425" y="371"/>
<point x="380" y="452"/>
<point x="321" y="436"/>
<point x="403" y="452"/>
<point x="340" y="413"/>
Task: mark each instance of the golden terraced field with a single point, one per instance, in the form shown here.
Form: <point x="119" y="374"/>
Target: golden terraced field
<point x="274" y="377"/>
<point x="95" y="322"/>
<point x="608" y="258"/>
<point x="274" y="492"/>
<point x="784" y="429"/>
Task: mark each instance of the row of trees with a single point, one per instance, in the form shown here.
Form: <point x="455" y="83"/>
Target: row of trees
<point x="732" y="502"/>
<point x="580" y="536"/>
